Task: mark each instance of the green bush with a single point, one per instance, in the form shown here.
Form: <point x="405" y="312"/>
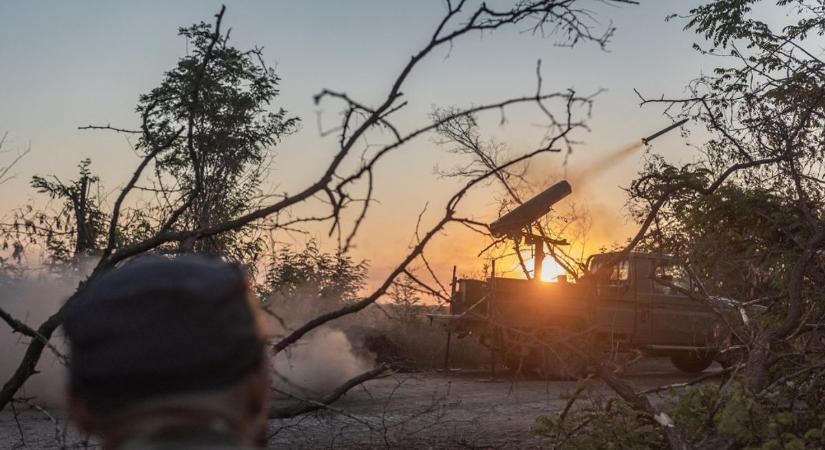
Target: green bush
<point x="787" y="416"/>
<point x="597" y="421"/>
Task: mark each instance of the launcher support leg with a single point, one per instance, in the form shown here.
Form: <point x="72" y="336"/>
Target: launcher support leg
<point x="492" y="365"/>
<point x="538" y="260"/>
<point x="447" y="352"/>
<point x="453" y="284"/>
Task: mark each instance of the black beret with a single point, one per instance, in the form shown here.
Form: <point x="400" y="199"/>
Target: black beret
<point x="160" y="326"/>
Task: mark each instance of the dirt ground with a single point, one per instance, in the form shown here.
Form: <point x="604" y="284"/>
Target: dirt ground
<point x="424" y="410"/>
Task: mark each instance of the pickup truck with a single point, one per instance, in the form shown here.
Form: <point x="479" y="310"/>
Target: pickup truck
<point x="631" y="305"/>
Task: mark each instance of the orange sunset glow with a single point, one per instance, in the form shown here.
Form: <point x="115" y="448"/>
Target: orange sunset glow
<point x="412" y="224"/>
<point x="550" y="269"/>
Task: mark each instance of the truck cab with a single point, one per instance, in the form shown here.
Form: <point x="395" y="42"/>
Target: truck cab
<point x="646" y="297"/>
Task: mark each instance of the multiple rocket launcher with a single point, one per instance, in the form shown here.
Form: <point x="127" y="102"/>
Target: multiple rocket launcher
<point x="530" y="211"/>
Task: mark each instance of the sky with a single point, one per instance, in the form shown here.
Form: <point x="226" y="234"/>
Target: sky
<point x="69" y="64"/>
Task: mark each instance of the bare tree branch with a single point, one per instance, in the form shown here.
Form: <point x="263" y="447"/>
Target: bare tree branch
<point x="307" y="405"/>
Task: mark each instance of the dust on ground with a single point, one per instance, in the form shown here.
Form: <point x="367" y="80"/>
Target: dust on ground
<point x="424" y="410"/>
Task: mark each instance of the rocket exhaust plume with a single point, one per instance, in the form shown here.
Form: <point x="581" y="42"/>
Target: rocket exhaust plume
<point x="583" y="177"/>
<point x="607" y="162"/>
<point x="646" y="140"/>
<point x="613" y="158"/>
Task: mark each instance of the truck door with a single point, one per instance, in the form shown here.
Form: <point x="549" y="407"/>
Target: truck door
<point x="675" y="319"/>
<point x="643" y="324"/>
<point x="615" y="292"/>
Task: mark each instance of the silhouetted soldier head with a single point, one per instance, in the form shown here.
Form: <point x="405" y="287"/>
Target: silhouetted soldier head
<point x="168" y="353"/>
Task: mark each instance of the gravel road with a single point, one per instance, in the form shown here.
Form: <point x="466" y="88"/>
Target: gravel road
<point x="423" y="410"/>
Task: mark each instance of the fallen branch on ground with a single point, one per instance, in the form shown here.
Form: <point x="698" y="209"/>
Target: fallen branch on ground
<point x="309" y="405"/>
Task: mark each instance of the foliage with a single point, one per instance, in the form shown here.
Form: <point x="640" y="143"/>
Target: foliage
<point x="406" y="299"/>
<point x="65" y="234"/>
<point x="741" y="241"/>
<point x="714" y="415"/>
<point x="222" y="96"/>
<point x="208" y="175"/>
<point x="313" y="274"/>
<point x="747" y="218"/>
<point x="600" y="422"/>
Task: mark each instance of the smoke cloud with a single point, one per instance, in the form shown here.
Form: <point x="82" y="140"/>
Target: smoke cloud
<point x="319" y="363"/>
<point x="32" y="301"/>
<point x="323" y="359"/>
<point x="316" y="364"/>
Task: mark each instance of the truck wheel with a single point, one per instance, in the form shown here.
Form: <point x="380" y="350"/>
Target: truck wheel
<point x="691" y="362"/>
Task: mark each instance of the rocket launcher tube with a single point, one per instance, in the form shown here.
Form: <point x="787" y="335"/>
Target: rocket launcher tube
<point x="653" y="136"/>
<point x="531" y="210"/>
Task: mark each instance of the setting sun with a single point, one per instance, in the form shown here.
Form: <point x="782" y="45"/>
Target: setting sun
<point x="550" y="269"/>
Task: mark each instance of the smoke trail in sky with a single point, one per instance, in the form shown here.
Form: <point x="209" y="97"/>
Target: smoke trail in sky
<point x="607" y="162"/>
